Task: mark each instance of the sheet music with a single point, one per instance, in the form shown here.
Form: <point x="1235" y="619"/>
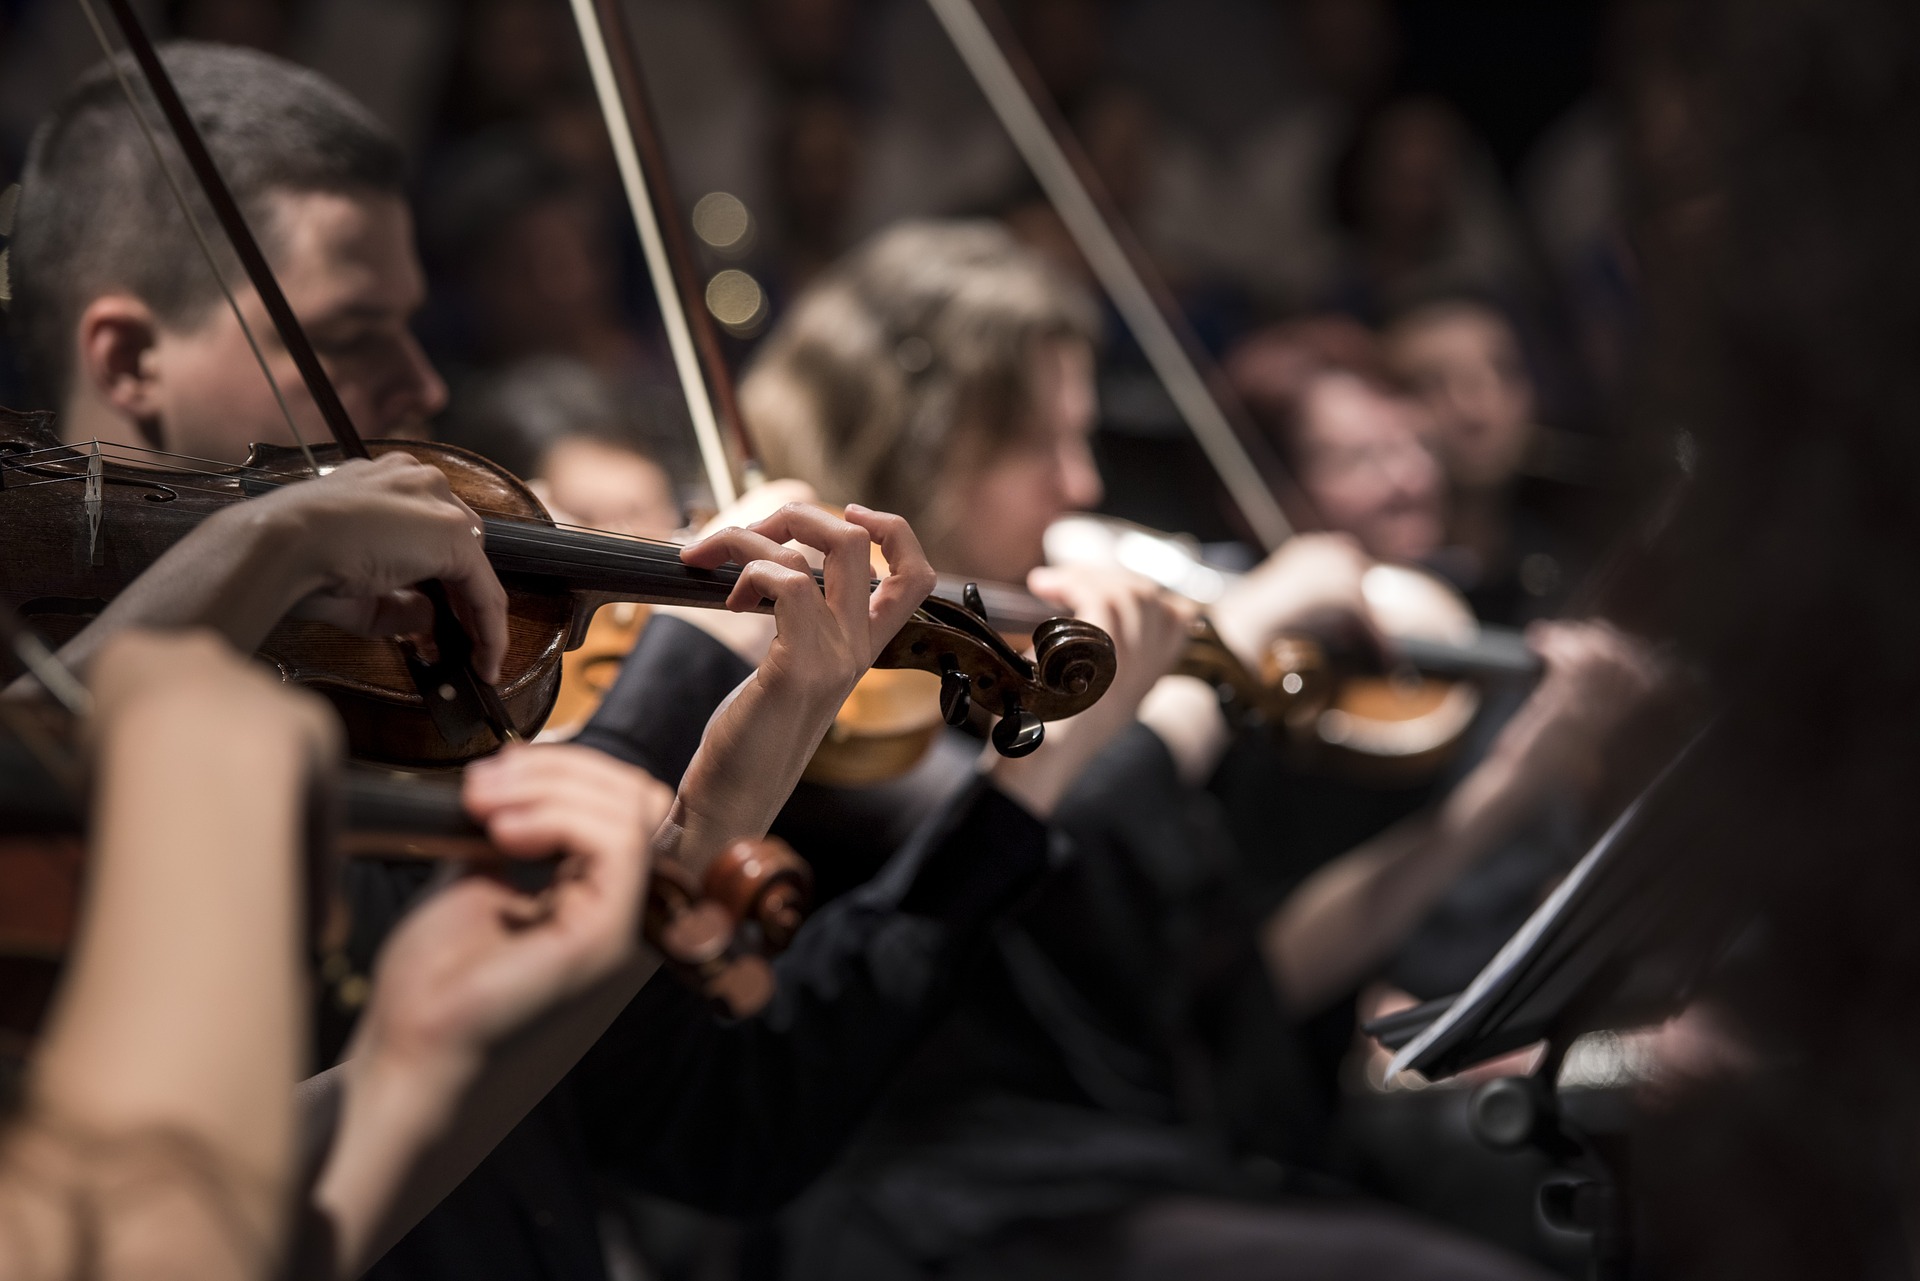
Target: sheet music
<point x="1500" y="972"/>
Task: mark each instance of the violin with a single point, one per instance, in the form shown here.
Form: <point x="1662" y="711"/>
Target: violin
<point x="84" y="520"/>
<point x="1341" y="707"/>
<point x="718" y="932"/>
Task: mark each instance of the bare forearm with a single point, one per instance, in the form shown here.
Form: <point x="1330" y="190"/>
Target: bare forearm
<point x="1350" y="915"/>
<point x="1185" y="712"/>
<point x="179" y="1012"/>
<point x="752" y="756"/>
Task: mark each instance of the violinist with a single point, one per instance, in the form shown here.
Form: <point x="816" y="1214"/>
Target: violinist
<point x="157" y="1133"/>
<point x="668" y="1097"/>
<point x="121" y="325"/>
<point x="1506" y="474"/>
<point x="1356" y="441"/>
<point x="1071" y="1117"/>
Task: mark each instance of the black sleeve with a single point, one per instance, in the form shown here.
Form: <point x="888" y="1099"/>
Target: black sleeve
<point x="738" y="1116"/>
<point x="653" y="717"/>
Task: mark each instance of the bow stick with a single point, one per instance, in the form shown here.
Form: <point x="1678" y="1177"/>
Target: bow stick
<point x="642" y="160"/>
<point x="457" y="698"/>
<point x="1215" y="416"/>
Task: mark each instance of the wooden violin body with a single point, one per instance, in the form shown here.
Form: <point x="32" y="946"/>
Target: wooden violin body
<point x="81" y="525"/>
<point x="718" y="931"/>
<point x="1336" y="706"/>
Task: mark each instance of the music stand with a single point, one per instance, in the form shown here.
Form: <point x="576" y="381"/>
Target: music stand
<point x="1623" y="941"/>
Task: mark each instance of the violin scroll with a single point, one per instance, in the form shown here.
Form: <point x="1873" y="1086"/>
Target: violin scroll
<point x="1072" y="666"/>
<point x="763" y="884"/>
<point x="721" y="932"/>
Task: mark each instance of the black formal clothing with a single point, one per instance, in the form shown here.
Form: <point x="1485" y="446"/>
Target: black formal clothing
<point x="730" y="1115"/>
<point x="1120" y="1039"/>
<point x="1118" y="1092"/>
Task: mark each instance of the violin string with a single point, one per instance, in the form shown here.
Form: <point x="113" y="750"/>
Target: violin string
<point x="511" y="527"/>
<point x="507" y="529"/>
<point x="509" y="533"/>
<point x="265" y="476"/>
<point x="193" y="223"/>
<point x="505" y="525"/>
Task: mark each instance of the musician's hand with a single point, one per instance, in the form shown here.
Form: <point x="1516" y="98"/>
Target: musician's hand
<point x="827" y="636"/>
<point x="748" y="635"/>
<point x="479" y="960"/>
<point x="761" y="739"/>
<point x="365" y="533"/>
<point x="1313" y="583"/>
<point x="345" y="548"/>
<point x="1149" y="627"/>
<point x="483" y="997"/>
<point x="1597" y="678"/>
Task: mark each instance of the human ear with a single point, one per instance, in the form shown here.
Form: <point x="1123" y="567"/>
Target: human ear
<point x="116" y="340"/>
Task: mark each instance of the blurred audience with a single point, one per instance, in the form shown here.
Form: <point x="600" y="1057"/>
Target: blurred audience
<point x="1422" y="210"/>
<point x="1279" y="202"/>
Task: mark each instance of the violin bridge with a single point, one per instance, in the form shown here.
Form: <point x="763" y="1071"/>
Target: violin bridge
<point x="96" y="508"/>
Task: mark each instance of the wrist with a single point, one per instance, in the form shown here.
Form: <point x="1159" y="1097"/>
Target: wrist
<point x="192" y="728"/>
<point x="282" y="553"/>
<point x="1185" y="713"/>
<point x="393" y="1112"/>
<point x="1246" y="636"/>
<point x="404" y="1094"/>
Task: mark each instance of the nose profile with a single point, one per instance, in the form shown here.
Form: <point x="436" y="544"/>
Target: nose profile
<point x="1080" y="486"/>
<point x="421" y="393"/>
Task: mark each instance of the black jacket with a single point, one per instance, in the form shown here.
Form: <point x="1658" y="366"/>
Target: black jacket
<point x="729" y="1115"/>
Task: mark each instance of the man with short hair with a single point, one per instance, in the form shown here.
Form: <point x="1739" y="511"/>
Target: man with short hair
<point x="120" y="322"/>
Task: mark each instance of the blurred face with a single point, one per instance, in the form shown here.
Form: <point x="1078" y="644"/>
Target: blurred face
<point x="1364" y="468"/>
<point x="1003" y="508"/>
<point x="347" y="266"/>
<point x="543" y="284"/>
<point x="602" y="486"/>
<point x="1465" y="366"/>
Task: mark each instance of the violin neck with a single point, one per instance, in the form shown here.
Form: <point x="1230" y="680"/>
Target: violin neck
<point x="408" y="816"/>
<point x="605" y="567"/>
<point x="1497" y="652"/>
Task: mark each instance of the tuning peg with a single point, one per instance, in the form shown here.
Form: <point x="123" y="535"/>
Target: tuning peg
<point x="970" y="597"/>
<point x="956" y="696"/>
<point x="1018" y="733"/>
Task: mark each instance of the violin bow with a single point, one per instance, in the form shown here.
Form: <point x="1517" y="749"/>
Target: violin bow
<point x="54" y="676"/>
<point x="1213" y="413"/>
<point x="642" y="160"/>
<point x="457" y="699"/>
